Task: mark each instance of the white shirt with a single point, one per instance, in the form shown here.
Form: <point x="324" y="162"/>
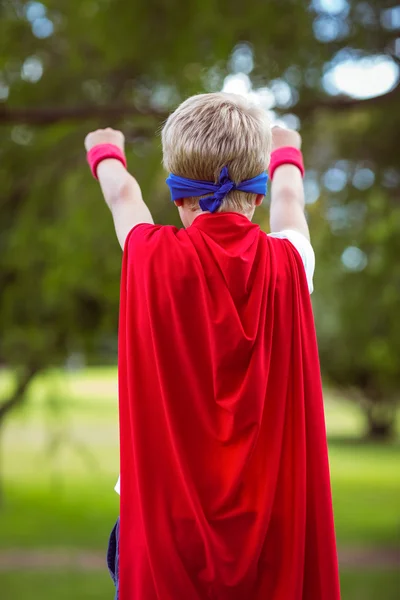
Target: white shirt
<point x="304" y="248"/>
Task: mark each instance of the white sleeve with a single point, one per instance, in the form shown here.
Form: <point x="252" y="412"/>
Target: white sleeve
<point x="304" y="248"/>
<point x="118" y="486"/>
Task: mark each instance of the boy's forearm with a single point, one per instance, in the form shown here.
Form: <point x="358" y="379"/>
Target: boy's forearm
<point x="287" y="190"/>
<point x="121" y="191"/>
<point x="287" y="200"/>
<point x="115" y="181"/>
<point x="123" y="196"/>
<point x="288" y="183"/>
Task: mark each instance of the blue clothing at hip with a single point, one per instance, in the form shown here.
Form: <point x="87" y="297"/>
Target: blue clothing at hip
<point x="113" y="557"/>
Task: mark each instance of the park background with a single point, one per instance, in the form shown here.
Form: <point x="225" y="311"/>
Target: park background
<point x="329" y="68"/>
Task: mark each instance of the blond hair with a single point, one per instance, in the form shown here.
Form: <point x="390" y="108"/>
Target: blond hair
<point x="210" y="131"/>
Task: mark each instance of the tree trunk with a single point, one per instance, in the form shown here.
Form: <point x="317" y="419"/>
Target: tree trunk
<point x="381" y="421"/>
<point x="2" y="495"/>
<point x="16" y="398"/>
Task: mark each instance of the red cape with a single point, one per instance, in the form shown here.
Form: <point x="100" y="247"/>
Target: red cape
<point x="225" y="490"/>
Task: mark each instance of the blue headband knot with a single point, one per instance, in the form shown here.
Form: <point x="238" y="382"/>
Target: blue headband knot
<point x="182" y="187"/>
<point x="225" y="185"/>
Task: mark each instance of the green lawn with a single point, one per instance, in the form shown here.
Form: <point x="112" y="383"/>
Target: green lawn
<point x="366" y="493"/>
<point x="57" y="585"/>
<point x="78" y="585"/>
<point x="78" y="510"/>
<point x="60" y="463"/>
<point x="370" y="585"/>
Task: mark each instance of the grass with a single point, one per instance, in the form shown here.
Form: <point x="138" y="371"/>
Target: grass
<point x="76" y="517"/>
<point x="366" y="491"/>
<point x="78" y="510"/>
<point x="370" y="585"/>
<point x="97" y="585"/>
<point x="60" y="463"/>
<point x="62" y="585"/>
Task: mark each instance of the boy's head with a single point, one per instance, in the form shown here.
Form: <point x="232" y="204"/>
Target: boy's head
<point x="210" y="131"/>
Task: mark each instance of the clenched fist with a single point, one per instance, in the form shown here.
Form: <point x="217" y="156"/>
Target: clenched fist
<point x="105" y="136"/>
<point x="285" y="137"/>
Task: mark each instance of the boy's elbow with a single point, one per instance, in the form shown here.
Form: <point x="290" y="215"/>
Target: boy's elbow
<point x="127" y="191"/>
<point x="288" y="195"/>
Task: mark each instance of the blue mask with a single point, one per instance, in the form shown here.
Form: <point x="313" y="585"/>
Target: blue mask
<point x="182" y="187"/>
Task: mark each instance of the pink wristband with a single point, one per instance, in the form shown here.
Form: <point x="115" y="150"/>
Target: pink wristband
<point x="286" y="156"/>
<point x="102" y="152"/>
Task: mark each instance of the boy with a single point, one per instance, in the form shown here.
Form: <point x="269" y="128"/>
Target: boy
<point x="225" y="489"/>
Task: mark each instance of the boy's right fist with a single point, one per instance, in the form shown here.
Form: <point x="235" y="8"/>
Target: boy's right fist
<point x="105" y="136"/>
<point x="285" y="137"/>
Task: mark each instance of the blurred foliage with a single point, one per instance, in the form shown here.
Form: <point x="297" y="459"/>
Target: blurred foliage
<point x="70" y="66"/>
<point x="356" y="235"/>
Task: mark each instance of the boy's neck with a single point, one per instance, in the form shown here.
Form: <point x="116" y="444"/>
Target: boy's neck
<point x="198" y="213"/>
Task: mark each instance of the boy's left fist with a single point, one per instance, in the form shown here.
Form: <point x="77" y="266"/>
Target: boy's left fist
<point x="105" y="136"/>
<point x="285" y="137"/>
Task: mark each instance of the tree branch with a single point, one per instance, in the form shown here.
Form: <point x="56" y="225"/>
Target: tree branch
<point x="55" y="114"/>
<point x="343" y="103"/>
<point x="51" y="115"/>
<point x="19" y="393"/>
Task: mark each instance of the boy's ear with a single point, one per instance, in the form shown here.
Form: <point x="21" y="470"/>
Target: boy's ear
<point x="178" y="202"/>
<point x="259" y="199"/>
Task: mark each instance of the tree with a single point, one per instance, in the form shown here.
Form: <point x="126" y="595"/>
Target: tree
<point x="357" y="239"/>
<point x="71" y="66"/>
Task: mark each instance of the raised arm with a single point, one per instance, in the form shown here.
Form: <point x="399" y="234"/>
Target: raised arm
<point x="287" y="190"/>
<point x="121" y="191"/>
